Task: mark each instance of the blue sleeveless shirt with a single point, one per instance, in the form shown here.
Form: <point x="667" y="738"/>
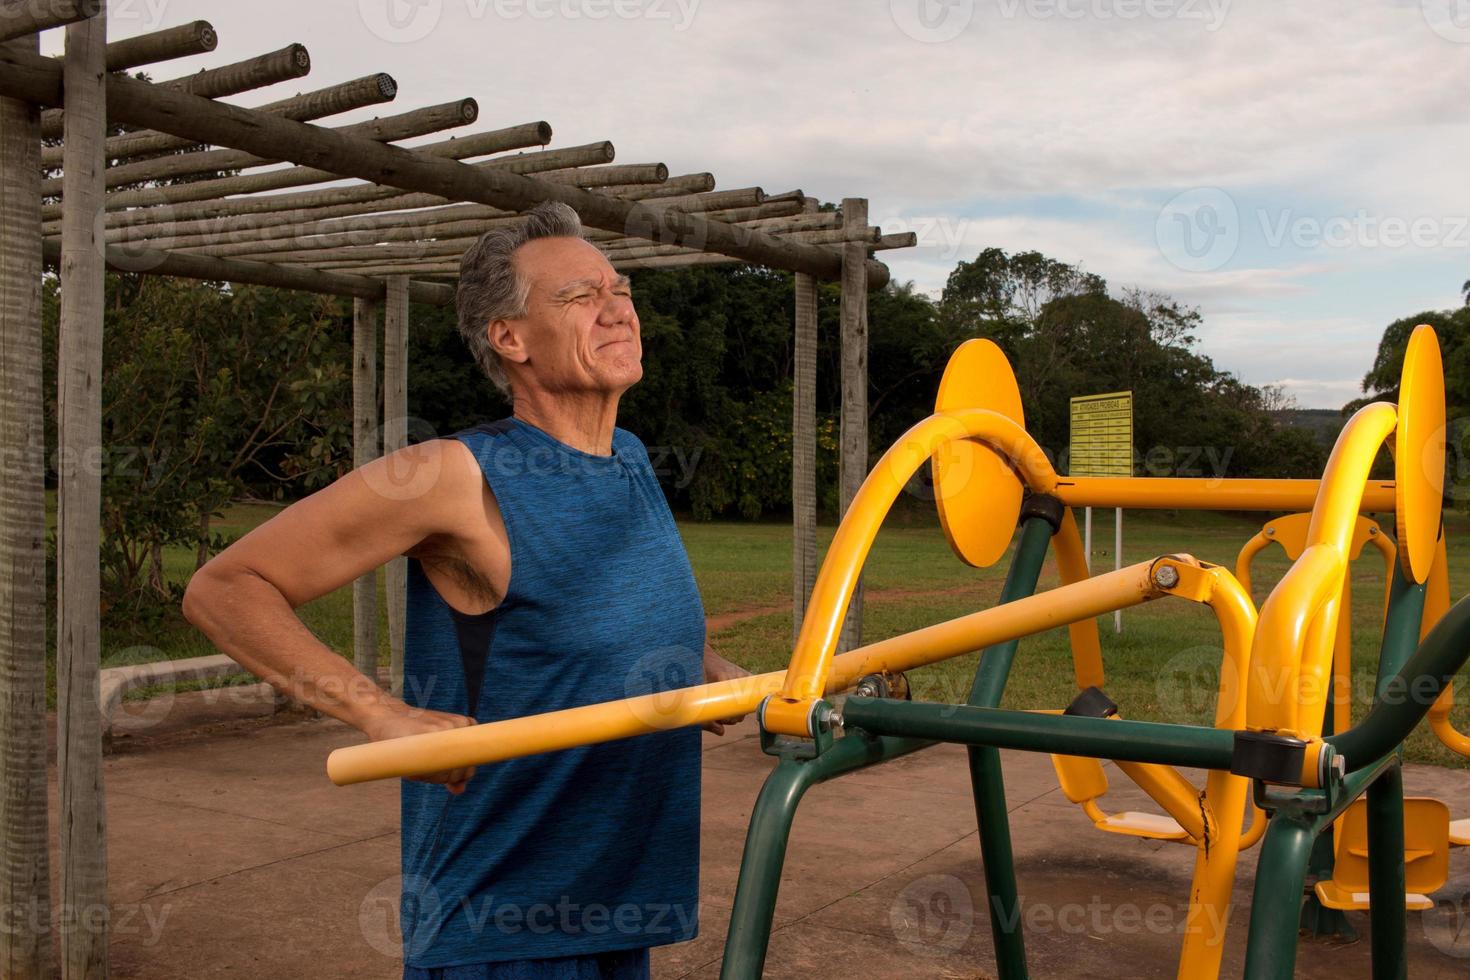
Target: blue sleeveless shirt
<point x="589" y="849"/>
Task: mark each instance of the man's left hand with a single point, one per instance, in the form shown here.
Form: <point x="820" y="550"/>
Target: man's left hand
<point x="717" y="668"/>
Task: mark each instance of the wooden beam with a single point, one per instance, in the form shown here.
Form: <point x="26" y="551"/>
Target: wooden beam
<point x="343" y="97"/>
<point x="614" y="176"/>
<point x="454" y="148"/>
<point x="365" y="436"/>
<point x="384" y="129"/>
<point x="451" y="222"/>
<point x="399" y="211"/>
<point x="289" y="62"/>
<point x="680" y="186"/>
<point x="395" y="437"/>
<point x="21" y="17"/>
<point x="443" y="245"/>
<point x="853" y="435"/>
<point x="182" y="114"/>
<point x="153" y="262"/>
<point x="83" y="822"/>
<point x="25" y="879"/>
<point x="409" y="224"/>
<point x="186" y="40"/>
<point x="204" y="201"/>
<point x="349" y="200"/>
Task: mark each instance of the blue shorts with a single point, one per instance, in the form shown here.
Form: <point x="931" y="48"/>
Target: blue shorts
<point x="623" y="964"/>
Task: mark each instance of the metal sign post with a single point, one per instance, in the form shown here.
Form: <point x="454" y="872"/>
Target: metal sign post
<point x="1102" y="445"/>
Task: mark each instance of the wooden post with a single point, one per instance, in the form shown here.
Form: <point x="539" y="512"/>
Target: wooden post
<point x="25" y="879"/>
<point x="365" y="435"/>
<point x="83" y="823"/>
<point x="395" y="437"/>
<point x="853" y="463"/>
<point x="804" y="450"/>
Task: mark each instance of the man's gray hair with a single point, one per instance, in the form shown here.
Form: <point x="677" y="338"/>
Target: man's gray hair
<point x="490" y="287"/>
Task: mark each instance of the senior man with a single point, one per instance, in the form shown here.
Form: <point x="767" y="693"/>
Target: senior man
<point x="545" y="572"/>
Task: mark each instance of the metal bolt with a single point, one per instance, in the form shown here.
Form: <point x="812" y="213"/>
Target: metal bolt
<point x="1372" y="530"/>
<point x="1166" y="576"/>
<point x="1270" y="531"/>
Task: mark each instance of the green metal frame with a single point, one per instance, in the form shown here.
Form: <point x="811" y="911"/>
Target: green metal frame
<point x="803" y="765"/>
<point x="1370" y="752"/>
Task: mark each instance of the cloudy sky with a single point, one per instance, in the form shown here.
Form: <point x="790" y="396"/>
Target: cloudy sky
<point x="1296" y="170"/>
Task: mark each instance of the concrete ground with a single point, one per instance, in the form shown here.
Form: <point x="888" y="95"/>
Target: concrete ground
<point x="231" y="855"/>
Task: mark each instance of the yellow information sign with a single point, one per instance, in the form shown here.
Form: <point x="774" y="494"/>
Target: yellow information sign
<point x="1102" y="435"/>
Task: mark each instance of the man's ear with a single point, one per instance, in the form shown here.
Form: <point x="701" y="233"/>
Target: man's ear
<point x="507" y="341"/>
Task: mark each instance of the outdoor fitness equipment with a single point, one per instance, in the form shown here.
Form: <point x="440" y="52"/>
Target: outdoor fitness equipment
<point x="1265" y="742"/>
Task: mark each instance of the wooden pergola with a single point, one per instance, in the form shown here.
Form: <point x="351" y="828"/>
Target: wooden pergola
<point x="391" y="237"/>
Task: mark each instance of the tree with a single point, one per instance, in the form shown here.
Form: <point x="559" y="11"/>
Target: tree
<point x="1066" y="335"/>
<point x="207" y="393"/>
<point x="1381" y="383"/>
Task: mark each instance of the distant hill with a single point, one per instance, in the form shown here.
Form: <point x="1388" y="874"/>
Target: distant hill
<point x="1324" y="423"/>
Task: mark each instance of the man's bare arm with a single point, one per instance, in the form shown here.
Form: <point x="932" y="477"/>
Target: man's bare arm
<point x="244" y="599"/>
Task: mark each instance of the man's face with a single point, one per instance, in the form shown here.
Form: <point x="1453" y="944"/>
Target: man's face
<point x="580" y="331"/>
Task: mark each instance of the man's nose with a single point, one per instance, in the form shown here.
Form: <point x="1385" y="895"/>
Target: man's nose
<point x="616" y="309"/>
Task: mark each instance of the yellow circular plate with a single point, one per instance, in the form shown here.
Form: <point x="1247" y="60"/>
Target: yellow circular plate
<point x="975" y="489"/>
<point x="1419" y="453"/>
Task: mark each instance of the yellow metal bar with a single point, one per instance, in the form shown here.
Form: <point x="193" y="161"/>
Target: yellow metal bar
<point x="1436" y="602"/>
<point x="806" y="675"/>
<point x="1439" y="720"/>
<point x="1342" y="660"/>
<point x="1221" y="807"/>
<point x="1214" y="877"/>
<point x="1291" y="655"/>
<point x="1247" y="554"/>
<point x="554" y="730"/>
<point x="1087" y="662"/>
<point x="1181" y="493"/>
<point x="1180" y="798"/>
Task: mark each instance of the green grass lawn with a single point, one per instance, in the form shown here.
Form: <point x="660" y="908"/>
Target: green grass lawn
<point x="1161" y="667"/>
